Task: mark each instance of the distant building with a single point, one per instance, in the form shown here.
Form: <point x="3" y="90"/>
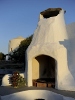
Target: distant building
<point x="14" y="44"/>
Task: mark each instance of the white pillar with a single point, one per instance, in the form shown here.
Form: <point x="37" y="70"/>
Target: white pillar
<point x="29" y="73"/>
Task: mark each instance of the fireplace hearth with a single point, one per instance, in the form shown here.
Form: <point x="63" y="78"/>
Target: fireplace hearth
<point x="44" y="82"/>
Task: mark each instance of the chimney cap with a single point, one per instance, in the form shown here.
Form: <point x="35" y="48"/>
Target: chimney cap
<point x="50" y="12"/>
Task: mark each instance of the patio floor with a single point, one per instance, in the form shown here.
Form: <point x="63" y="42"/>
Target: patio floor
<point x="6" y="90"/>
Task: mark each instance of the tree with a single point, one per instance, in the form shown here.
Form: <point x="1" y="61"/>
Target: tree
<point x="19" y="54"/>
<point x="2" y="56"/>
<point x="23" y="47"/>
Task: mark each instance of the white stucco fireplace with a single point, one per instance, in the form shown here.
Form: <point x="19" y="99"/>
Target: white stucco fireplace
<point x="48" y="49"/>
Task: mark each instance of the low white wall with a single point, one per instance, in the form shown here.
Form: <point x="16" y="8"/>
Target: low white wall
<point x="5" y="79"/>
<point x="39" y="94"/>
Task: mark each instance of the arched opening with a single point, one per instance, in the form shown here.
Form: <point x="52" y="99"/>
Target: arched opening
<point x="43" y="69"/>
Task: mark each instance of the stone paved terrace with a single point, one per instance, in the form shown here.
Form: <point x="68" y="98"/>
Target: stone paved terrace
<point x="6" y="90"/>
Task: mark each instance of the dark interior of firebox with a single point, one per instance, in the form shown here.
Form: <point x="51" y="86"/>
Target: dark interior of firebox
<point x="46" y="68"/>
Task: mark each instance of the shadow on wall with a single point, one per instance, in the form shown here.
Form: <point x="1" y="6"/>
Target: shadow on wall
<point x="70" y="47"/>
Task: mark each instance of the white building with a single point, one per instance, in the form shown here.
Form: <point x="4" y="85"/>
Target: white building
<point x="14" y="44"/>
<point x="51" y="47"/>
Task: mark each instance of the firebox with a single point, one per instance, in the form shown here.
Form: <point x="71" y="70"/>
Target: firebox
<point x="45" y="72"/>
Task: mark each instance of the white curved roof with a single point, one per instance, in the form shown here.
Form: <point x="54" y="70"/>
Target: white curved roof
<point x="19" y="37"/>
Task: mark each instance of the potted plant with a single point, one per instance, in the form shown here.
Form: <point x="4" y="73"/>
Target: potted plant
<point x="17" y="80"/>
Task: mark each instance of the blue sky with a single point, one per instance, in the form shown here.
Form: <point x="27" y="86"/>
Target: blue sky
<point x="20" y="17"/>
